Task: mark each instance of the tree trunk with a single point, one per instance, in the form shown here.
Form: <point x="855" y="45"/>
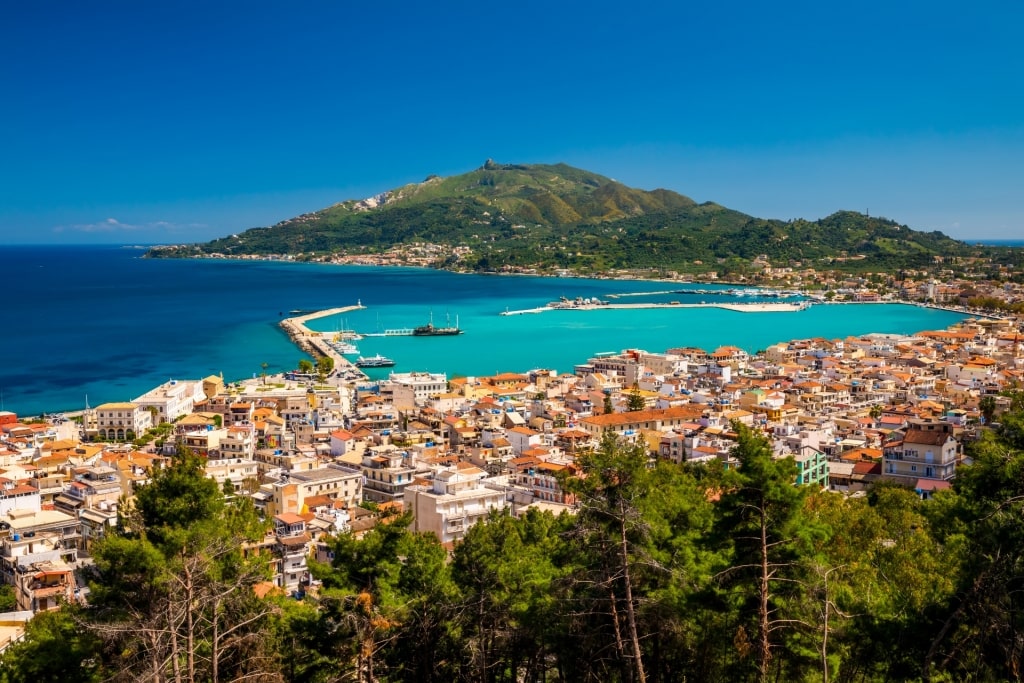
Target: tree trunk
<point x="175" y="654"/>
<point x="630" y="611"/>
<point x="215" y="643"/>
<point x="620" y="647"/>
<point x="765" y="653"/>
<point x="190" y="621"/>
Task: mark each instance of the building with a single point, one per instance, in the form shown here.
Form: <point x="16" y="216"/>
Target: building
<point x="812" y="467"/>
<point x="386" y="473"/>
<point x="35" y="537"/>
<point x="122" y="421"/>
<point x="235" y="470"/>
<point x="290" y="492"/>
<point x="925" y="458"/>
<point x="91" y="487"/>
<point x="624" y="424"/>
<point x="290" y="551"/>
<point x="540" y="480"/>
<point x="44" y="586"/>
<point x="172" y="399"/>
<point x="409" y="389"/>
<point x="452" y="502"/>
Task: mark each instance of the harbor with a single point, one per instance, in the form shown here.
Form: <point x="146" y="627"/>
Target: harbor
<point x="318" y="344"/>
<point x="238" y="340"/>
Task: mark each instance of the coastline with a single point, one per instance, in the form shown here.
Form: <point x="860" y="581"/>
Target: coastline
<point x="205" y="337"/>
<point x="812" y="295"/>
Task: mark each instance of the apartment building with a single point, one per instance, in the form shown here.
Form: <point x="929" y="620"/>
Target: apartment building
<point x="290" y="492"/>
<point x="925" y="458"/>
<point x="452" y="502"/>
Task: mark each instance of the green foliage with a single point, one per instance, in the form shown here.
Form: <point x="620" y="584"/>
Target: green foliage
<point x="178" y="498"/>
<point x="392" y="586"/>
<point x="324" y="367"/>
<point x="54" y="650"/>
<point x="635" y="402"/>
<point x="764" y="533"/>
<point x="664" y="573"/>
<point x="8" y="601"/>
<point x="172" y="593"/>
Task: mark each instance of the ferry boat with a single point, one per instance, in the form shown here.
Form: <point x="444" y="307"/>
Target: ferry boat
<point x="377" y="361"/>
<point x="429" y="330"/>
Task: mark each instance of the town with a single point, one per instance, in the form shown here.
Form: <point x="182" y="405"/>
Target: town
<point x="325" y="455"/>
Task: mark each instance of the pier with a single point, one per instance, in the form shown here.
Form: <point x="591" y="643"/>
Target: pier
<point x="731" y="291"/>
<point x="402" y="332"/>
<point x="315" y="343"/>
<point x="739" y="308"/>
<point x="528" y="310"/>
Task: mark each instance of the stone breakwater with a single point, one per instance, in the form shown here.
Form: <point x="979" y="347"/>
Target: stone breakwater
<point x="312" y="342"/>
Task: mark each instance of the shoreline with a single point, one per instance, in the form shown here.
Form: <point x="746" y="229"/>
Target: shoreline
<point x="272" y="321"/>
<point x="809" y="293"/>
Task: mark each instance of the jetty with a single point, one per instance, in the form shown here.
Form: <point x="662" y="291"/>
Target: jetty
<point x="752" y="307"/>
<point x="317" y="344"/>
<point x="731" y="291"/>
<point x="527" y="310"/>
<point x="402" y="332"/>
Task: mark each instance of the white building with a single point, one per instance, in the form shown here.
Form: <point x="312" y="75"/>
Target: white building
<point x="172" y="399"/>
<point x="414" y="388"/>
<point x="235" y="470"/>
<point x="454" y="501"/>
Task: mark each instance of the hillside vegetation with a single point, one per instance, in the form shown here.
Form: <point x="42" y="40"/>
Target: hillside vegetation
<point x="557" y="216"/>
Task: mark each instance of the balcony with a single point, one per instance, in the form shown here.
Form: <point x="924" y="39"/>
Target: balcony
<point x="917" y="460"/>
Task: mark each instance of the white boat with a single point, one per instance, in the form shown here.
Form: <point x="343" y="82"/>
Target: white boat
<point x="377" y="361"/>
<point x="345" y="348"/>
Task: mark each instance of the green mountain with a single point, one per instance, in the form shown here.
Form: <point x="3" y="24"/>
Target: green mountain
<point x="560" y="217"/>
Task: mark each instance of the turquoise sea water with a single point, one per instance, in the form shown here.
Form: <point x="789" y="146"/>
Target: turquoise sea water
<point x="103" y="323"/>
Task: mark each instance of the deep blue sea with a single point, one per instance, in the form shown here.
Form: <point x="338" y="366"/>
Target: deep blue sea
<point x="102" y="323"/>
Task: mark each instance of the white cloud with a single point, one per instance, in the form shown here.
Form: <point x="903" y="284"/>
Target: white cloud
<point x="112" y="225"/>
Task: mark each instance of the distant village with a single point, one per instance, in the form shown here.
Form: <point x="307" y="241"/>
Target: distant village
<point x="336" y="454"/>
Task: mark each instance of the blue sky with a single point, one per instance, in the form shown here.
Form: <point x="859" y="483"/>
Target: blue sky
<point x="137" y="122"/>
